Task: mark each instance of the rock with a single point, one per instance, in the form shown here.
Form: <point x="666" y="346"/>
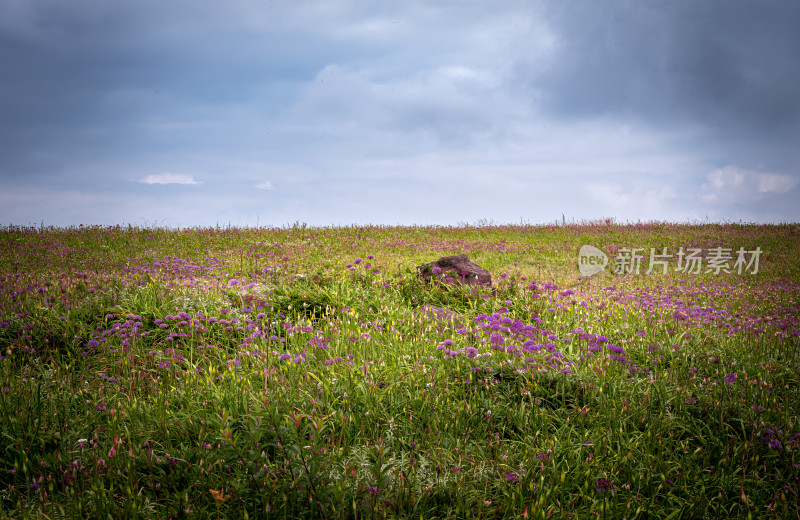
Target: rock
<point x="441" y="314"/>
<point x="451" y="269"/>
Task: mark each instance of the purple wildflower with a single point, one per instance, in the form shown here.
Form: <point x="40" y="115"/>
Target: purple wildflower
<point x="604" y="485"/>
<point x="497" y="338"/>
<point x="772" y="438"/>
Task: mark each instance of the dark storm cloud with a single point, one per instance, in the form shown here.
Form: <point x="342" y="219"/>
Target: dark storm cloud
<point x="196" y="111"/>
<point x="733" y="65"/>
<point x="86" y="82"/>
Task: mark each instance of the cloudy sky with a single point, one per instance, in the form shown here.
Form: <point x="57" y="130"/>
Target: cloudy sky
<point x="245" y="112"/>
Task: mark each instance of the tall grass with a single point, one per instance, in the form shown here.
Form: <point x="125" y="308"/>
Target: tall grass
<point x="287" y="373"/>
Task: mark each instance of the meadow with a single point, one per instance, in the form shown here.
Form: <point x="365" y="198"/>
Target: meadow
<point x="287" y="373"/>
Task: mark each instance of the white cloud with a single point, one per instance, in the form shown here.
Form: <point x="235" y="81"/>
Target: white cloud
<point x="651" y="199"/>
<point x="266" y="185"/>
<point x="733" y="184"/>
<point x="169" y="178"/>
<point x="775" y="183"/>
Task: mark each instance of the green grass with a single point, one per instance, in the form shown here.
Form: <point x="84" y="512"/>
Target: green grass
<point x="331" y="397"/>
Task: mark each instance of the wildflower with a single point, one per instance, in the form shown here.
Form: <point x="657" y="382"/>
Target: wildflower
<point x="690" y="400"/>
<point x="604" y="485"/>
<point x="233" y="281"/>
<point x="730" y="378"/>
<point x="219" y="495"/>
<point x="471" y="352"/>
<point x="615" y="349"/>
<point x="497" y="338"/>
<point x="357" y="261"/>
<point x="511" y="477"/>
<point x="772" y="438"/>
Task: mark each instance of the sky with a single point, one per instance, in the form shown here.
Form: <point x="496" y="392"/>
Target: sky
<point x="188" y="113"/>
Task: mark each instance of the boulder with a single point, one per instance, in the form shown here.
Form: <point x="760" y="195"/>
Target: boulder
<point x="457" y="268"/>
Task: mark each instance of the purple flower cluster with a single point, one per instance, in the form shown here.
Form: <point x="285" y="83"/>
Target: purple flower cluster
<point x="511" y="337"/>
<point x="604" y="485"/>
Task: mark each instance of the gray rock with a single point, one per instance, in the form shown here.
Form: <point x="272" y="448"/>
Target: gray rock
<point x="457" y="268"/>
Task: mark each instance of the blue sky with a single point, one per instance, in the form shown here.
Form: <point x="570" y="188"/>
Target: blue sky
<point x="196" y="113"/>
